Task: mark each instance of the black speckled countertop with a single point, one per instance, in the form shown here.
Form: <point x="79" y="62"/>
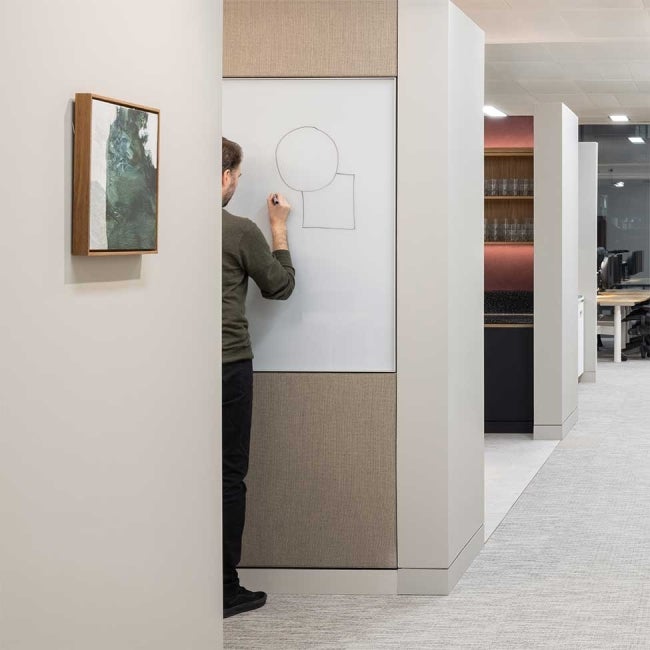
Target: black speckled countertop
<point x="508" y="308"/>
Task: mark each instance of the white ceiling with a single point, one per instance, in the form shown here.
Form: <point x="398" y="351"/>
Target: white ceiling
<point x="593" y="55"/>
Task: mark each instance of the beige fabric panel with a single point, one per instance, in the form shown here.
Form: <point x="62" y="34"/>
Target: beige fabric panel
<point x="321" y="485"/>
<point x="310" y="38"/>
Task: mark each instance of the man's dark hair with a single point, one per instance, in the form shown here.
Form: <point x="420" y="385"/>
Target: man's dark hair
<point x="231" y="155"/>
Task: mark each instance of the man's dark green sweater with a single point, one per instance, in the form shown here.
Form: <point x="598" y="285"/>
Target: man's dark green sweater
<point x="247" y="254"/>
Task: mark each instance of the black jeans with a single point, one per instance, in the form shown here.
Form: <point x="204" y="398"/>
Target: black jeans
<point x="237" y="408"/>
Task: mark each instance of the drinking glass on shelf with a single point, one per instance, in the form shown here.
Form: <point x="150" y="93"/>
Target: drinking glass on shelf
<point x="491" y="187"/>
<point x="503" y="187"/>
<point x="504" y="230"/>
<point x="528" y="233"/>
<point x="531" y="187"/>
<point x="513" y="186"/>
<point x="493" y="232"/>
<point x="523" y="186"/>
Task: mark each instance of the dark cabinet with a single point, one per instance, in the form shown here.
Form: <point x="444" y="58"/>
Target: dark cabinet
<point x="509" y="379"/>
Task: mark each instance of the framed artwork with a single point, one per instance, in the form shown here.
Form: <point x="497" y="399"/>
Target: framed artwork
<point x="115" y="196"/>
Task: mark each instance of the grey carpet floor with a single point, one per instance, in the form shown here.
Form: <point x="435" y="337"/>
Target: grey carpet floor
<point x="569" y="567"/>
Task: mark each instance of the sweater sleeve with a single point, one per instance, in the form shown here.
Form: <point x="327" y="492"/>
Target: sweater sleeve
<point x="272" y="272"/>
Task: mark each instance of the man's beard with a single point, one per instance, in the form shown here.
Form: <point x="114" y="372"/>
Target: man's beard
<point x="225" y="200"/>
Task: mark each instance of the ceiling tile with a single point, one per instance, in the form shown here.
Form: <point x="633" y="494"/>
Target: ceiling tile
<point x="575" y="102"/>
<point x="503" y="87"/>
<point x="612" y="86"/>
<point x="498" y="52"/>
<point x="635" y="100"/>
<point x="640" y="70"/>
<point x="593" y="54"/>
<point x="616" y="70"/>
<point x="517" y="98"/>
<point x="522" y="26"/>
<point x="603" y="100"/>
<point x="567" y="5"/>
<point x="576" y="70"/>
<point x="622" y="50"/>
<point x="529" y="70"/>
<point x="496" y="74"/>
<point x="608" y="23"/>
<point x="531" y="5"/>
<point x="548" y="86"/>
<point x="471" y="5"/>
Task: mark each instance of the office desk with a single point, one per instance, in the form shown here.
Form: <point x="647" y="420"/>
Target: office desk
<point x="618" y="298"/>
<point x="635" y="283"/>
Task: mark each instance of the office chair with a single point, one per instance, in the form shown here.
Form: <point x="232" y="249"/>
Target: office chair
<point x="639" y="331"/>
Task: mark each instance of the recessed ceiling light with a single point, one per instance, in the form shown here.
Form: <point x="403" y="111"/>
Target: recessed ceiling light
<point x="619" y="118"/>
<point x="490" y="111"/>
<point x="619" y="184"/>
<point x="636" y="139"/>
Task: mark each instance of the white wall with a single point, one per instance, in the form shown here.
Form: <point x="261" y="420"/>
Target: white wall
<point x="440" y="295"/>
<point x="556" y="270"/>
<point x="109" y="395"/>
<point x="587" y="236"/>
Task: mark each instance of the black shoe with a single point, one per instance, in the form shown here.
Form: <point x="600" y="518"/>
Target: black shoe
<point x="243" y="601"/>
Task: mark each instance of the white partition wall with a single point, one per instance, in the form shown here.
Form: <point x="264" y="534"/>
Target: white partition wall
<point x="440" y="296"/>
<point x="587" y="257"/>
<point x="110" y="509"/>
<point x="556" y="271"/>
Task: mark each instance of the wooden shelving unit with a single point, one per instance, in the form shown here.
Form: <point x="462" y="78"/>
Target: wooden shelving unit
<point x="509" y="198"/>
<point x="509" y="163"/>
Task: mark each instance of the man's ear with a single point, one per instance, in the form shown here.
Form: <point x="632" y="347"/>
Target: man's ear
<point x="225" y="177"/>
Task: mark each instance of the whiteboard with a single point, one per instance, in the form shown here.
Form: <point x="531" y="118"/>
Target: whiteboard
<point x="328" y="145"/>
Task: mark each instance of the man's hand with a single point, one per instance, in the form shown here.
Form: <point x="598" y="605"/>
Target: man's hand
<point x="279" y="210"/>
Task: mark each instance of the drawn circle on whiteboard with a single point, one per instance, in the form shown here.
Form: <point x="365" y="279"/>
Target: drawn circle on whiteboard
<point x="307" y="159"/>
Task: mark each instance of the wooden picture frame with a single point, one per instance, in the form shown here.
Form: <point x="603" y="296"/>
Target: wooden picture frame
<point x="115" y="186"/>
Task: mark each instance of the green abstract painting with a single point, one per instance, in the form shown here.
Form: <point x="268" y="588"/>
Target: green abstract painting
<point x="124" y="178"/>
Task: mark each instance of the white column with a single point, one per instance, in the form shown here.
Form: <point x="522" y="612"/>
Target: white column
<point x="110" y="468"/>
<point x="440" y="295"/>
<point x="556" y="271"/>
<point x="587" y="242"/>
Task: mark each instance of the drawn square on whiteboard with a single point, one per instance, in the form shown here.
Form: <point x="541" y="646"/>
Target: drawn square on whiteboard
<point x="332" y="207"/>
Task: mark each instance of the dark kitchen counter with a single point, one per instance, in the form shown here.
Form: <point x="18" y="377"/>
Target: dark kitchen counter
<point x="495" y="320"/>
<point x="508" y="308"/>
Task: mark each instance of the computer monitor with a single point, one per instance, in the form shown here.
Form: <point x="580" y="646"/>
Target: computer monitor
<point x="611" y="271"/>
<point x="635" y="263"/>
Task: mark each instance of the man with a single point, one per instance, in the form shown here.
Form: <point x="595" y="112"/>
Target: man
<point x="245" y="254"/>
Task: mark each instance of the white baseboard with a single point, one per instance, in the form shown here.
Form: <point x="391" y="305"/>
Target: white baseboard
<point x="588" y="377"/>
<point x="440" y="582"/>
<point x="556" y="431"/>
